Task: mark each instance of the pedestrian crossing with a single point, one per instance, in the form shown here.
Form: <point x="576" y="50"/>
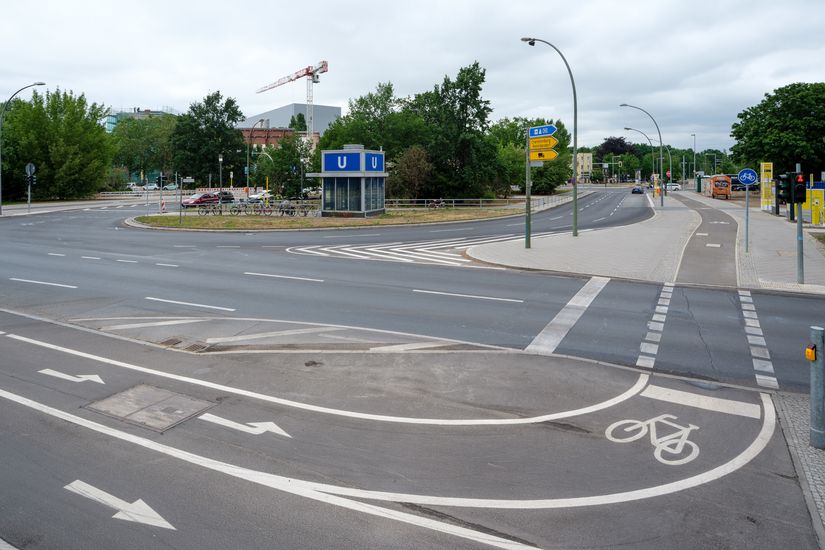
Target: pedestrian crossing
<point x="438" y="252"/>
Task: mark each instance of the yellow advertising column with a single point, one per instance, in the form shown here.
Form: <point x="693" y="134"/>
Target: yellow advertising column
<point x="766" y="179"/>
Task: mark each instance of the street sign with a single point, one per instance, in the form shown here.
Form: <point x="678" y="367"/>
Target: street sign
<point x="538" y="144"/>
<point x="543" y="155"/>
<point x="30" y="169"/>
<point x="540" y="131"/>
<point x="188" y="180"/>
<point x="747" y="176"/>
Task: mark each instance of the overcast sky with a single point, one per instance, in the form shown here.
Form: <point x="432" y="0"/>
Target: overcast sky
<point x="693" y="64"/>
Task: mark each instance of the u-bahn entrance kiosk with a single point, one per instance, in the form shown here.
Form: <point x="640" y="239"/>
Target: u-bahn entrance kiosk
<point x="353" y="182"/>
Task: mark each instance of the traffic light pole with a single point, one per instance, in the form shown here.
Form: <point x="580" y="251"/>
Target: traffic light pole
<point x="800" y="264"/>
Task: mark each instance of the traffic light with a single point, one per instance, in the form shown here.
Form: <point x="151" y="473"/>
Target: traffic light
<point x="783" y="189"/>
<point x="799" y="192"/>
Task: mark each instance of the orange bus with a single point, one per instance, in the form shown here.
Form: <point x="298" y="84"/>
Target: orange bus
<point x="720" y="186"/>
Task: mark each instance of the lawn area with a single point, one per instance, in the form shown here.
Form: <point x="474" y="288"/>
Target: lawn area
<point x="192" y="220"/>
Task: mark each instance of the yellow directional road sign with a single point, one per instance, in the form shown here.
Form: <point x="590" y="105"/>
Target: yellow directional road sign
<point x="550" y="154"/>
<point x="537" y="144"/>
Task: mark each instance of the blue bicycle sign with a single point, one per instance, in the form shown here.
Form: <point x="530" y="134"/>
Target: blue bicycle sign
<point x="747" y="176"/>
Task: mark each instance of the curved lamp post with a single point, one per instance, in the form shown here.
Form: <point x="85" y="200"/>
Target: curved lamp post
<point x="532" y="42"/>
<point x="2" y="113"/>
<point x="652" y="151"/>
<point x="661" y="150"/>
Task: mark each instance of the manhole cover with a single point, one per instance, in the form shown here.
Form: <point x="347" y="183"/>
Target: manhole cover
<point x="150" y="407"/>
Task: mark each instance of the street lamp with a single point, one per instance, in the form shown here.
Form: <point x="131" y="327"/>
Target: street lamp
<point x="220" y="170"/>
<point x="661" y="152"/>
<point x="532" y="42"/>
<point x="694" y="156"/>
<point x="248" y="141"/>
<point x="652" y="151"/>
<point x="2" y="113"/>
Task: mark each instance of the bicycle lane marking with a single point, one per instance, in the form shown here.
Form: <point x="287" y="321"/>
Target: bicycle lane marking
<point x="715" y="404"/>
<point x="650" y="347"/>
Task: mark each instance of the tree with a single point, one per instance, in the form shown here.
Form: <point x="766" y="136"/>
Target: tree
<point x="410" y="175"/>
<point x="786" y="127"/>
<point x="377" y="120"/>
<point x="298" y="122"/>
<point x="141" y="145"/>
<point x="206" y="131"/>
<point x="613" y="146"/>
<point x="285" y="165"/>
<point x="61" y="134"/>
<point x="464" y="159"/>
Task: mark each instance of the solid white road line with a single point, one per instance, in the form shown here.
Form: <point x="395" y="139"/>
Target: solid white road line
<point x="348" y="236"/>
<point x="549" y="339"/>
<point x="40" y="282"/>
<point x="127" y="261"/>
<point x="637" y="387"/>
<point x="90" y="257"/>
<point x="283" y="277"/>
<point x="153" y="324"/>
<point x="327" y="493"/>
<point x="716" y="404"/>
<point x="468" y="296"/>
<point x="167" y="265"/>
<point x="189" y="304"/>
<point x="275" y="334"/>
<point x="288" y="485"/>
<point x="55" y="254"/>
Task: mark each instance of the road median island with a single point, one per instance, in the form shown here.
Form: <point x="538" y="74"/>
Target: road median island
<point x="394" y="217"/>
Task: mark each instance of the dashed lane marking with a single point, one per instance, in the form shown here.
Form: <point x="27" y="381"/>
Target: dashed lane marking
<point x="551" y="336"/>
<point x="40" y="282"/>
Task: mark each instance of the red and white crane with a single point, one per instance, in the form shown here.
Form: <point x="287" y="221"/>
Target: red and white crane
<point x="312" y="78"/>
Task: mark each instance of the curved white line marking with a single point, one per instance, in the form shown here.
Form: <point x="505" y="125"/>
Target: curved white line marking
<point x="320" y="490"/>
<point x="636" y="388"/>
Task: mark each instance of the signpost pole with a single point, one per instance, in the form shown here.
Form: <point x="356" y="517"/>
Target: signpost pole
<point x="747" y="177"/>
<point x="800" y="264"/>
<point x="30" y="170"/>
<point x="527" y="191"/>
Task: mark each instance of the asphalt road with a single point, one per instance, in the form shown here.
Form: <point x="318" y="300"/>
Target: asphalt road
<point x="414" y="417"/>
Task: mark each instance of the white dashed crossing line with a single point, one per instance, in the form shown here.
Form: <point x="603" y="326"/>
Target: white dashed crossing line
<point x="650" y="347"/>
<point x="549" y="339"/>
<point x="760" y="355"/>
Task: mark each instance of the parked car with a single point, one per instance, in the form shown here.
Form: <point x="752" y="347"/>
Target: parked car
<point x="199" y="199"/>
<point x="170" y="187"/>
<point x="673" y="187"/>
<point x="260" y="197"/>
<point x="737" y="186"/>
<point x="151" y="187"/>
<point x="637" y="191"/>
<point x="225" y="197"/>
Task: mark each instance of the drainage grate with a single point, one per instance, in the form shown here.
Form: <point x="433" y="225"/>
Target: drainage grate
<point x="151" y="407"/>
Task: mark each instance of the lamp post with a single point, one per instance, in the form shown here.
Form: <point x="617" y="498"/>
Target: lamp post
<point x="652" y="151"/>
<point x="220" y="170"/>
<point x="661" y="152"/>
<point x="694" y="156"/>
<point x="532" y="42"/>
<point x="248" y="141"/>
<point x="2" y="113"/>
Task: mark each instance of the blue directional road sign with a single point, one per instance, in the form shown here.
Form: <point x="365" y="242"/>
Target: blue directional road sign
<point x="747" y="176"/>
<point x="540" y="131"/>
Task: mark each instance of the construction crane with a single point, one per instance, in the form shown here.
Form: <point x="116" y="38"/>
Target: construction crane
<point x="312" y="78"/>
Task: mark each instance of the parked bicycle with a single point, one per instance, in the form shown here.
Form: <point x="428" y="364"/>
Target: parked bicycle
<point x="214" y="209"/>
<point x="672" y="449"/>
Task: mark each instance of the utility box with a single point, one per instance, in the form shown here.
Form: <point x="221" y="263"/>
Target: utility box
<point x="353" y="182"/>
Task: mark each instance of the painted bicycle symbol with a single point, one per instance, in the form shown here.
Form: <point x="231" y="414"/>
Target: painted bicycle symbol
<point x="672" y="449"/>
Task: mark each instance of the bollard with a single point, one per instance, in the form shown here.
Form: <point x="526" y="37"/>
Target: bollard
<point x="817" y="387"/>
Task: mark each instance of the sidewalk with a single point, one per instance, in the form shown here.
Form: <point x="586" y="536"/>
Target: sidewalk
<point x="652" y="251"/>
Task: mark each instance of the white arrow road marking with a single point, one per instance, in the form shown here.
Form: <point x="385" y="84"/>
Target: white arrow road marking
<point x="138" y="511"/>
<point x="254" y="428"/>
<point x="71" y="378"/>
